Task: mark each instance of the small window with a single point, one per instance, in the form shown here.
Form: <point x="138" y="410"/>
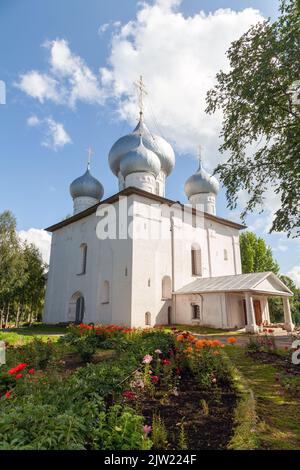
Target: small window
<point x="105" y="293"/>
<point x="126" y="272"/>
<point x="149" y="282"/>
<point x="225" y="255"/>
<point x="195" y="312"/>
<point x="196" y="261"/>
<point x="148" y="319"/>
<point x="83" y="249"/>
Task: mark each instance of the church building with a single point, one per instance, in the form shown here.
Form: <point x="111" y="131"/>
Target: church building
<point x="140" y="259"/>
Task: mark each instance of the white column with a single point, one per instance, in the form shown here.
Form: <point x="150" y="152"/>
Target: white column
<point x="288" y="322"/>
<point x="251" y="326"/>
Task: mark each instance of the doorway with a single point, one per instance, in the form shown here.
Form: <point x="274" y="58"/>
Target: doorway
<point x="257" y="311"/>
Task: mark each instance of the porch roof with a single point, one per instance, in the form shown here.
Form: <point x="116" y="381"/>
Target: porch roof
<point x="264" y="283"/>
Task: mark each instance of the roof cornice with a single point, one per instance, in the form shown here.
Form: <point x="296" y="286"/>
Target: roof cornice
<point x="140" y="192"/>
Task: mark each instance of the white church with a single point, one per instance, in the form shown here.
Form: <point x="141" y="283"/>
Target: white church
<point x="140" y="259"/>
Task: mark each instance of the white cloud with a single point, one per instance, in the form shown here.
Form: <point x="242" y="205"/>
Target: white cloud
<point x="39" y="238"/>
<point x="55" y="135"/>
<point x="33" y="121"/>
<point x="179" y="58"/>
<point x="294" y="274"/>
<point x="39" y="86"/>
<point x="68" y="80"/>
<point x="103" y="27"/>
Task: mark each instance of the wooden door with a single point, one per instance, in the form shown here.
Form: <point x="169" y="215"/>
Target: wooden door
<point x="258" y="312"/>
<point x="245" y="311"/>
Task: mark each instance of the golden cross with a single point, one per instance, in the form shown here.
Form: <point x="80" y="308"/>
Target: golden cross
<point x="90" y="153"/>
<point x="141" y="91"/>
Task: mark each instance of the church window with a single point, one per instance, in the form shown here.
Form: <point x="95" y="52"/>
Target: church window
<point x="149" y="282"/>
<point x="148" y="319"/>
<point x="83" y="249"/>
<point x="195" y="312"/>
<point x="196" y="261"/>
<point x="225" y="255"/>
<point x="166" y="287"/>
<point x="126" y="271"/>
<point x="105" y="293"/>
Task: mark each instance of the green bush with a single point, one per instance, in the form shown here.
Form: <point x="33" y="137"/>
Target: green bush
<point x="120" y="429"/>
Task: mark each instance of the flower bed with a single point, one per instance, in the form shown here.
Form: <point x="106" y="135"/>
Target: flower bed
<point x="160" y="390"/>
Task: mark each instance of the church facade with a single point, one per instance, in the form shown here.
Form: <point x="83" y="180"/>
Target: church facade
<point x="140" y="259"/>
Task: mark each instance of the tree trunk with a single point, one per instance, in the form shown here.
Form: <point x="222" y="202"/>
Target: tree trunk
<point x="7" y="316"/>
<point x="18" y="315"/>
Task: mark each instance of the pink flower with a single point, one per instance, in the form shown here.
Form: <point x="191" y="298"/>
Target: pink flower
<point x="158" y="351"/>
<point x="147" y="359"/>
<point x="147" y="429"/>
<point x="7" y="395"/>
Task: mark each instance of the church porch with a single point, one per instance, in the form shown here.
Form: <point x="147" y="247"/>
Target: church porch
<point x="237" y="301"/>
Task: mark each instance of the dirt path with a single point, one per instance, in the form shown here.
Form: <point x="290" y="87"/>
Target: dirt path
<point x="278" y="413"/>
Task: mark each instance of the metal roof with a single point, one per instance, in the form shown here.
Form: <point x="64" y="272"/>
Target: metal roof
<point x="234" y="283"/>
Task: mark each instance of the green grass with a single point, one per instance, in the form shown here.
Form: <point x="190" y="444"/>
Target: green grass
<point x="23" y="335"/>
<point x="278" y="424"/>
<point x="205" y="330"/>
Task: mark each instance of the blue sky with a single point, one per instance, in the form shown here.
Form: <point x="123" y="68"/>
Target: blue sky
<point x="45" y="132"/>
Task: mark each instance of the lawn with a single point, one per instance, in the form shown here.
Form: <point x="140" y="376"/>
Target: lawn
<point x="206" y="330"/>
<point x="24" y="335"/>
<point x="278" y="424"/>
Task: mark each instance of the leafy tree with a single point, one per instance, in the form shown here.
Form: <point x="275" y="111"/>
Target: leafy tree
<point x="261" y="120"/>
<point x="275" y="305"/>
<point x="256" y="256"/>
<point x="22" y="280"/>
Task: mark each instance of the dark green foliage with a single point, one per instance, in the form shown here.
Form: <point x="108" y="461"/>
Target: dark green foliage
<point x="22" y="276"/>
<point x="261" y="124"/>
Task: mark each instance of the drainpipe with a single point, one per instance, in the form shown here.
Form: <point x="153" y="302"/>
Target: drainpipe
<point x="173" y="267"/>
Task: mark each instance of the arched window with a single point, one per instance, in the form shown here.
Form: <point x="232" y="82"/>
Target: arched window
<point x="196" y="261"/>
<point x="166" y="287"/>
<point x="83" y="249"/>
<point x="148" y="319"/>
<point x="225" y="255"/>
<point x="105" y="293"/>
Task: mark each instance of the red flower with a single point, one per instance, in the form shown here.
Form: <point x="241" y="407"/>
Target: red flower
<point x="18" y="368"/>
<point x="18" y="376"/>
<point x="154" y="379"/>
<point x="7" y="395"/>
<point x="129" y="395"/>
<point x="31" y="371"/>
<point x="166" y="362"/>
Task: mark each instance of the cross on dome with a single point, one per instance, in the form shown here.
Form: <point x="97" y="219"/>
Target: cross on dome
<point x="90" y="153"/>
<point x="200" y="148"/>
<point x="141" y="92"/>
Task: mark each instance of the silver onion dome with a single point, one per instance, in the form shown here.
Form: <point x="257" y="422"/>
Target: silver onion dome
<point x="86" y="186"/>
<point x="152" y="142"/>
<point x="140" y="159"/>
<point x="201" y="182"/>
